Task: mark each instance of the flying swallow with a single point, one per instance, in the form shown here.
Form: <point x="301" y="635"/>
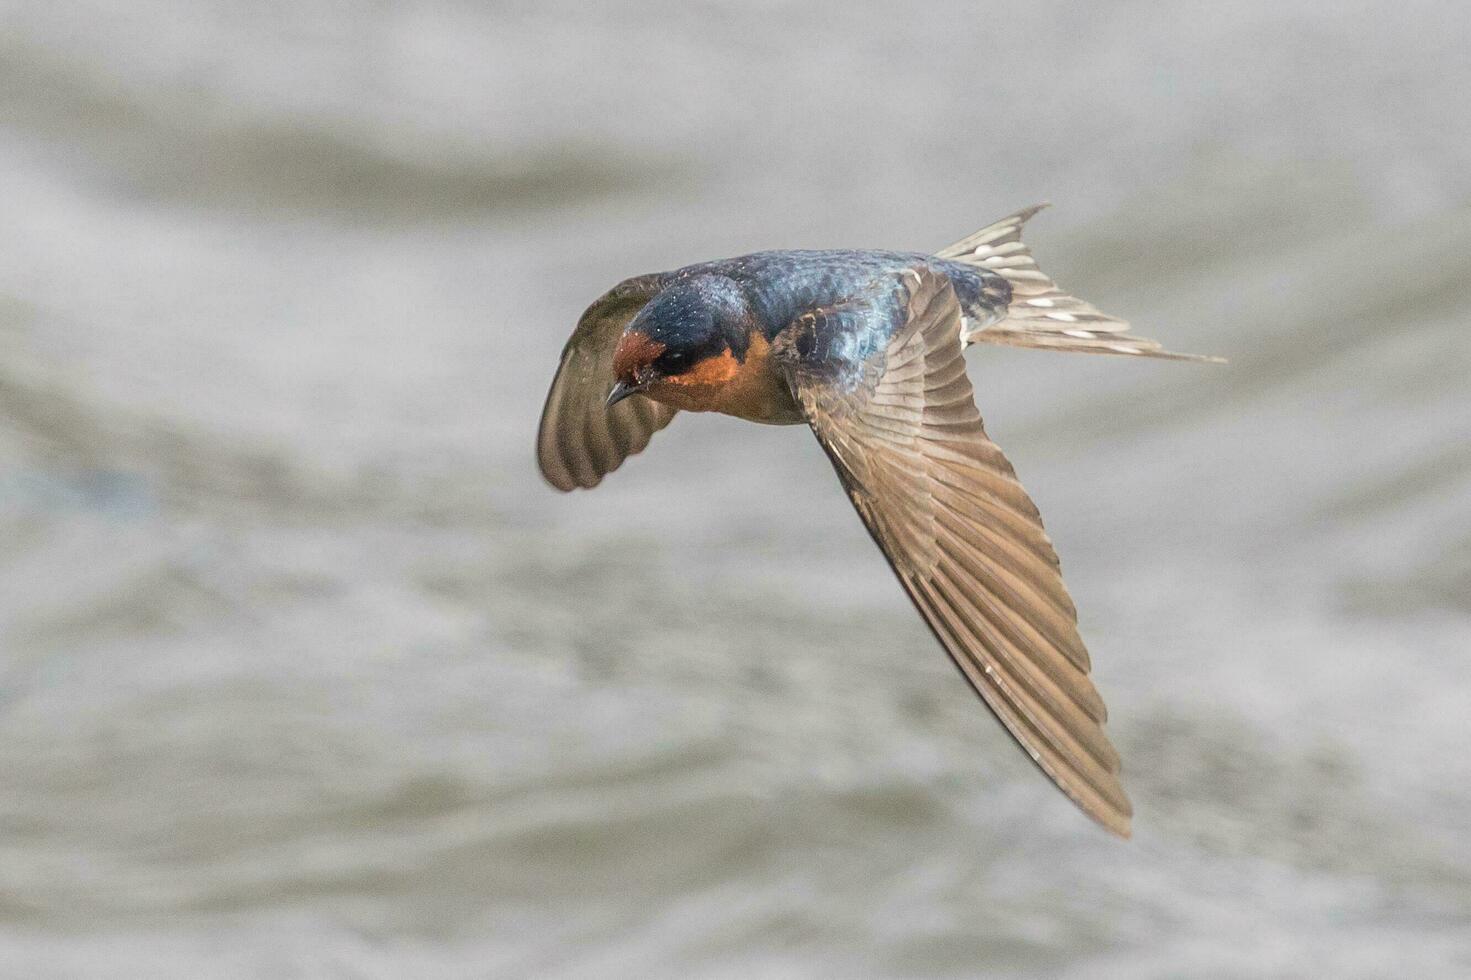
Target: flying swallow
<point x="865" y="348"/>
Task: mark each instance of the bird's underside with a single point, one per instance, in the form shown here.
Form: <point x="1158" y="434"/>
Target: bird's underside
<point x="880" y="378"/>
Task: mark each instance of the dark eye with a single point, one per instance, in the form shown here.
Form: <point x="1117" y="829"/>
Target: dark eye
<point x="674" y="361"/>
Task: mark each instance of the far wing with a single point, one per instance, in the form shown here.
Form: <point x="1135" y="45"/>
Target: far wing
<point x="580" y="441"/>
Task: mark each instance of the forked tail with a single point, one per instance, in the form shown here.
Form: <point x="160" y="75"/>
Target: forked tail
<point x="1042" y="315"/>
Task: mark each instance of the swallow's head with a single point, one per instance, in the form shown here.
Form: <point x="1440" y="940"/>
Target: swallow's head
<point x="685" y="344"/>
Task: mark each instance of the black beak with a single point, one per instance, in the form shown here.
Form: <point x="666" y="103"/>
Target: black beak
<point x="620" y="391"/>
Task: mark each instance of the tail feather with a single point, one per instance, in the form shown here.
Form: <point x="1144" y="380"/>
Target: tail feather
<point x="1041" y="315"/>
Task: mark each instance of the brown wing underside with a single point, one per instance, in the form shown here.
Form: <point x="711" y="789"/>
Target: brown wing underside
<point x="580" y="441"/>
<point x="968" y="545"/>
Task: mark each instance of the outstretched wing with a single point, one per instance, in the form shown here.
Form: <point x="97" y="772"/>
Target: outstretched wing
<point x="580" y="441"/>
<point x="965" y="540"/>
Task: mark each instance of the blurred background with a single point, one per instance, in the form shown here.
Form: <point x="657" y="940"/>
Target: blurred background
<point x="306" y="673"/>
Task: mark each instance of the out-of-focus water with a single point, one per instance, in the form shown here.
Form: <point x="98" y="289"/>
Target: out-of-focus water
<point x="305" y="673"/>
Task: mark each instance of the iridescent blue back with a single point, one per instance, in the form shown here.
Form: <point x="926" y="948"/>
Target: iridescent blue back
<point x="782" y="285"/>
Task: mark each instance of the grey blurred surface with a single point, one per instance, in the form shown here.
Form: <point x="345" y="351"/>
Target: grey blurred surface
<point x="305" y="673"/>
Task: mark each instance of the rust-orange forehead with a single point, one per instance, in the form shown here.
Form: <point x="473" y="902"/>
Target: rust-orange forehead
<point x="635" y="350"/>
